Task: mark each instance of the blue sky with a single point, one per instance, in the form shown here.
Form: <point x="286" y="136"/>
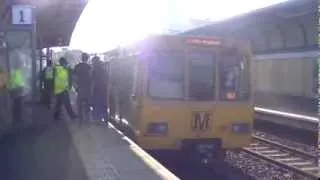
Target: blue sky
<point x="104" y="24"/>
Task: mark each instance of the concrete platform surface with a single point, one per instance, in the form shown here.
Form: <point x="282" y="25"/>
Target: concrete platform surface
<point x="40" y="153"/>
<point x="107" y="154"/>
<point x="67" y="151"/>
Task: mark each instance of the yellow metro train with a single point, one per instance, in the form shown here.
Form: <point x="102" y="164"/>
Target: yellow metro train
<point x="182" y="93"/>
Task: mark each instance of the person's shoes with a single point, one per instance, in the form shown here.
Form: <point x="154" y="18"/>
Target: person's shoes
<point x="79" y="124"/>
<point x="57" y="118"/>
<point x="74" y="117"/>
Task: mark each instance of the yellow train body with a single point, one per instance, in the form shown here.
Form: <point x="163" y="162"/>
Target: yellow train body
<point x="228" y="122"/>
<point x="179" y="118"/>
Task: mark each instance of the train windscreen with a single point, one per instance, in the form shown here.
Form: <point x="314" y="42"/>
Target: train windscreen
<point x="166" y="75"/>
<point x="202" y="78"/>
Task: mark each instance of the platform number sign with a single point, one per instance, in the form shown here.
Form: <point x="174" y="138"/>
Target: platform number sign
<point x="22" y="14"/>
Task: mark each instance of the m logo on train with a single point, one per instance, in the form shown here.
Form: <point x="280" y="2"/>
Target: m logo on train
<point x="201" y="121"/>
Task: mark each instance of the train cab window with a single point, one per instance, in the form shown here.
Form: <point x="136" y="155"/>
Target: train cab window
<point x="166" y="75"/>
<point x="202" y="69"/>
<point x="233" y="77"/>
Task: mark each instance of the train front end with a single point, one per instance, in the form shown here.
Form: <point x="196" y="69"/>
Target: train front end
<point x="197" y="98"/>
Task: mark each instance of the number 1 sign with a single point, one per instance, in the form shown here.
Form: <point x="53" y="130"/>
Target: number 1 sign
<point x="22" y="14"/>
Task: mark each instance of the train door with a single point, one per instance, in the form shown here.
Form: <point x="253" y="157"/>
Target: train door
<point x="136" y="95"/>
<point x="122" y="75"/>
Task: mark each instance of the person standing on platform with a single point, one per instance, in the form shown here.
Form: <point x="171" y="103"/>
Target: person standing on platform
<point x="62" y="86"/>
<point x="3" y="88"/>
<point x="83" y="81"/>
<point x="17" y="90"/>
<point x="99" y="98"/>
<point x="3" y="80"/>
<point x="47" y="84"/>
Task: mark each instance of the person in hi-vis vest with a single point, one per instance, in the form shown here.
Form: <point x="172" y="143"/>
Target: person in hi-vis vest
<point x="47" y="84"/>
<point x="62" y="86"/>
<point x="17" y="90"/>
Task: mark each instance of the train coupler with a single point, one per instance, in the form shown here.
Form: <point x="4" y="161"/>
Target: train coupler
<point x="205" y="151"/>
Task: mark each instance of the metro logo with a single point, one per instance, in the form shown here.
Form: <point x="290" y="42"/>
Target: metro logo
<point x="201" y="121"/>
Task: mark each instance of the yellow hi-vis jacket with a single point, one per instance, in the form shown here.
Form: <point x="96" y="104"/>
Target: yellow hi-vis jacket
<point x="16" y="79"/>
<point x="61" y="79"/>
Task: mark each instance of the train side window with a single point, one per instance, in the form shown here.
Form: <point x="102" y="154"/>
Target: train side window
<point x="234" y="77"/>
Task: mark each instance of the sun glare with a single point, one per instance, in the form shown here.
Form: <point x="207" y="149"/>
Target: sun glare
<point x="106" y="24"/>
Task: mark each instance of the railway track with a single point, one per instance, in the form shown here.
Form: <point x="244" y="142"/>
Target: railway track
<point x="295" y="160"/>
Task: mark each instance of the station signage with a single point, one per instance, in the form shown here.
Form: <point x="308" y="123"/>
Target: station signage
<point x="22" y="14"/>
<point x="203" y="42"/>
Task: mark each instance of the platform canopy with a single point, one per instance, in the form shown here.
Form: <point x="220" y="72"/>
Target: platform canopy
<point x="288" y="26"/>
<point x="56" y="19"/>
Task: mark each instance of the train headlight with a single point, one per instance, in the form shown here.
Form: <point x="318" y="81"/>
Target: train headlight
<point x="157" y="129"/>
<point x="242" y="128"/>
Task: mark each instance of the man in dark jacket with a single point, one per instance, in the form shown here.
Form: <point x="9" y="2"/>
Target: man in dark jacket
<point x="99" y="98"/>
<point x="47" y="84"/>
<point x="83" y="80"/>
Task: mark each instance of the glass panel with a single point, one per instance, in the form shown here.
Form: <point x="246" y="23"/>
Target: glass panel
<point x="20" y="53"/>
<point x="201" y="76"/>
<point x="234" y="76"/>
<point x="4" y="99"/>
<point x="166" y="75"/>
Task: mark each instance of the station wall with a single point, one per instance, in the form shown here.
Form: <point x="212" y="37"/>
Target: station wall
<point x="285" y="77"/>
